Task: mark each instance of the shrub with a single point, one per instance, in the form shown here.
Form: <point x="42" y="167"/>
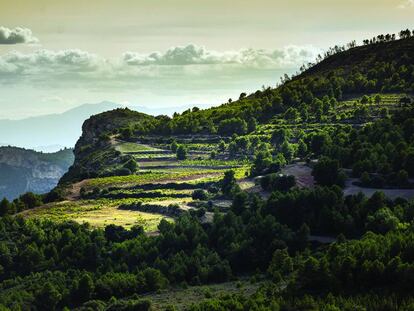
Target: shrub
<point x="132" y="165"/>
<point x="277" y="182"/>
<point x="181" y="153"/>
<point x="199" y="194"/>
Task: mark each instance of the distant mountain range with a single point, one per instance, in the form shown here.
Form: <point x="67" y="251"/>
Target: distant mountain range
<point x="50" y="133"/>
<point x="23" y="170"/>
<point x="56" y="130"/>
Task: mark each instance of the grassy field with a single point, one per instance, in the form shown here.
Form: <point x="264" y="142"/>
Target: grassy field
<point x="182" y="298"/>
<point x="98" y="213"/>
<point x="104" y="209"/>
<point x="126" y="147"/>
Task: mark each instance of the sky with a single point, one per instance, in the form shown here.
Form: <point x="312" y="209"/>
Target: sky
<point x="56" y="55"/>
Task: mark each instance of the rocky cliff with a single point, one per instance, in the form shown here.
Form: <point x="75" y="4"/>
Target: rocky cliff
<point x="23" y="170"/>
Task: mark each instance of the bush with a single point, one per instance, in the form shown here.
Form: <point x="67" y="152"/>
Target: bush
<point x="123" y="171"/>
<point x="199" y="194"/>
<point x="181" y="153"/>
<point x="232" y="126"/>
<point x="132" y="165"/>
<point x="277" y="182"/>
<point x="327" y="173"/>
<point x="174" y="146"/>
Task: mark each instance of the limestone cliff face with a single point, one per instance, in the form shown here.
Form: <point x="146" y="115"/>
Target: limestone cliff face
<point x="94" y="153"/>
<point x="24" y="170"/>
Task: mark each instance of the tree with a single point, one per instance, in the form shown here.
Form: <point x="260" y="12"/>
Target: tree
<point x="132" y="165"/>
<point x="48" y="297"/>
<point x="4" y="207"/>
<point x="402" y="178"/>
<point x="240" y="203"/>
<point x="302" y="236"/>
<point x="279" y="136"/>
<point x="251" y="125"/>
<point x="326" y="172"/>
<point x="126" y="133"/>
<point x="31" y="200"/>
<point x="232" y="126"/>
<point x="292" y="114"/>
<point x="277" y="182"/>
<point x="378" y="99"/>
<point x="228" y="182"/>
<point x="199" y="194"/>
<point x="222" y="146"/>
<point x="302" y="148"/>
<point x="382" y="221"/>
<point x="319" y="142"/>
<point x="287" y="150"/>
<point x="281" y="264"/>
<point x="85" y="288"/>
<point x="365" y="99"/>
<point x="181" y="152"/>
<point x="261" y="162"/>
<point x="174" y="146"/>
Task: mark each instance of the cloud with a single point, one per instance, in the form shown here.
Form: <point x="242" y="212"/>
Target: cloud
<point x="406" y="4"/>
<point x="16" y="36"/>
<point x="196" y="55"/>
<point x="47" y="60"/>
<point x="81" y="69"/>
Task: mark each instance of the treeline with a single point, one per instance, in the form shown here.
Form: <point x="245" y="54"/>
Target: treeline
<point x="380" y="154"/>
<point x="327" y="212"/>
<point x="370" y="72"/>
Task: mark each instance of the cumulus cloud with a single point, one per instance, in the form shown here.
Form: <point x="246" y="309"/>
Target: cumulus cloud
<point x="196" y="55"/>
<point x="46" y="60"/>
<point x="16" y="35"/>
<point x="84" y="69"/>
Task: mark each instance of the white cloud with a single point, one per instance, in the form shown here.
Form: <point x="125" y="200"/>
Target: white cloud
<point x="79" y="68"/>
<point x="46" y="59"/>
<point x="16" y="35"/>
<point x="406" y="4"/>
<point x="196" y="55"/>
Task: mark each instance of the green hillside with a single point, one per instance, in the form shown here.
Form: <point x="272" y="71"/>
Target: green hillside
<point x="298" y="197"/>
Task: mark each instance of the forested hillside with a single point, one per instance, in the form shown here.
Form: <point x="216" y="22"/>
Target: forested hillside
<point x="298" y="197"/>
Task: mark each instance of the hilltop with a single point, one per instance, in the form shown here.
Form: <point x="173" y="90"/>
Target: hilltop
<point x="384" y="67"/>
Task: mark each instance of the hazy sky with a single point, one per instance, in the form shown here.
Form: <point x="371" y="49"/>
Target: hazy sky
<point x="55" y="54"/>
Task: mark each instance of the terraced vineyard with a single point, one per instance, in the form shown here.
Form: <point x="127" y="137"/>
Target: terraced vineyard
<point x="161" y="188"/>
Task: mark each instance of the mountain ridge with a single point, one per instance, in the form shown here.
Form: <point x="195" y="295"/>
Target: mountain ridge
<point x="24" y="170"/>
<point x="365" y="74"/>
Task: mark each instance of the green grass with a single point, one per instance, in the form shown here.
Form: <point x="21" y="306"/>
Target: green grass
<point x="140" y="178"/>
<point x="153" y="155"/>
<point x="125" y="147"/>
<point x="182" y="298"/>
<point x="98" y="213"/>
<point x="212" y="162"/>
